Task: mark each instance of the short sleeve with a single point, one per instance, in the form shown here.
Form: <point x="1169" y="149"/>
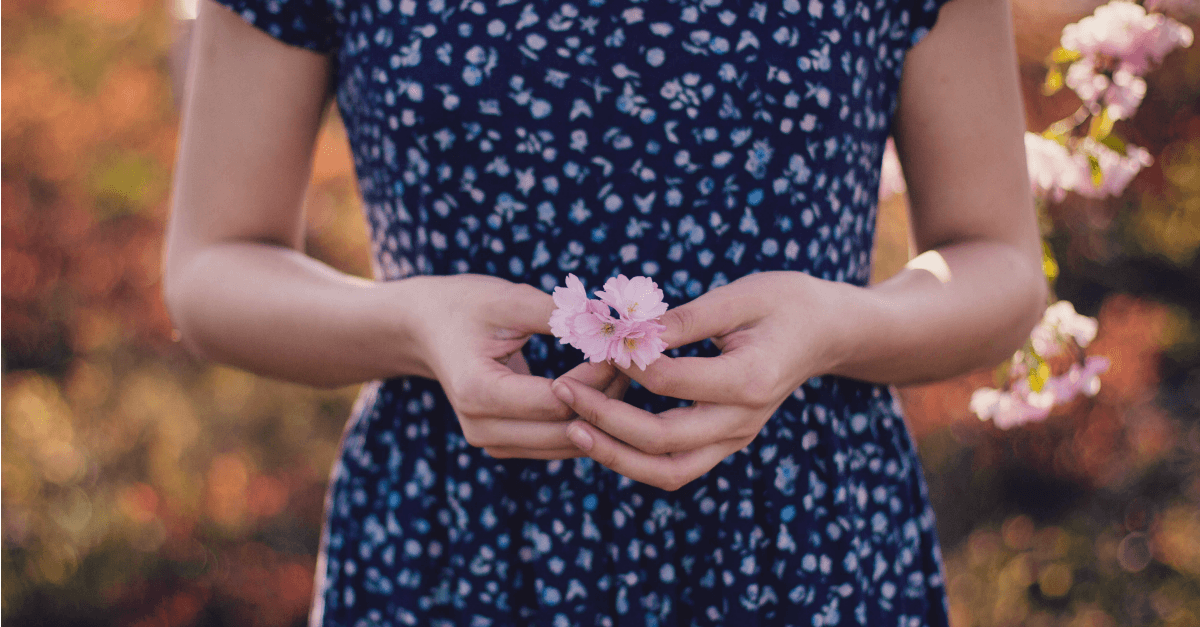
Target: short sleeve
<point x="305" y="23"/>
<point x="923" y="15"/>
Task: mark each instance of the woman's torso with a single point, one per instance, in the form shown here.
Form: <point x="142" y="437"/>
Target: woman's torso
<point x="690" y="141"/>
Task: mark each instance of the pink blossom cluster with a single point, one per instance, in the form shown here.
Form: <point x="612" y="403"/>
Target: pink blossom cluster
<point x="1060" y="326"/>
<point x="588" y="324"/>
<point x="1055" y="170"/>
<point x="1020" y="404"/>
<point x="1118" y="44"/>
<point x="1060" y="322"/>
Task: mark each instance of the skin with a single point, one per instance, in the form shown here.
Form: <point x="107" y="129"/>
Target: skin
<point x="241" y="292"/>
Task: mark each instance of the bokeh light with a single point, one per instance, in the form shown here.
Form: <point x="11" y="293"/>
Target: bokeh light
<point x="143" y="487"/>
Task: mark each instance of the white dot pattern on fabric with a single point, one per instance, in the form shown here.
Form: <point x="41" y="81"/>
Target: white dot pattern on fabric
<point x="694" y="141"/>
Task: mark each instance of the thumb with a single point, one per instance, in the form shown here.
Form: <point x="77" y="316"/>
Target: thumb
<point x="522" y="310"/>
<point x="600" y="376"/>
<point x="714" y="314"/>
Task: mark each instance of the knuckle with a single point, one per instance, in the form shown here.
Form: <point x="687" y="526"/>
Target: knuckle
<point x="524" y="293"/>
<point x="656" y="447"/>
<point x="746" y="434"/>
<point x="673" y="481"/>
<point x="662" y="442"/>
<point x="498" y="453"/>
<point x="472" y="432"/>
<point x="467" y="396"/>
<point x="659" y="382"/>
<point x="756" y="389"/>
<point x="682" y="319"/>
<point x="561" y="412"/>
<point x="588" y="412"/>
<point x="606" y="457"/>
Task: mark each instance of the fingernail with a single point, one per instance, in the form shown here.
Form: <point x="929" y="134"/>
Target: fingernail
<point x="580" y="437"/>
<point x="563" y="392"/>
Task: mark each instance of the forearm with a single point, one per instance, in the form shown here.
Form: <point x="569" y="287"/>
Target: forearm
<point x="276" y="312"/>
<point x="918" y="327"/>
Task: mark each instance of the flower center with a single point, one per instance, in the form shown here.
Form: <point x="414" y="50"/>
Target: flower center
<point x="608" y="328"/>
<point x="631" y="343"/>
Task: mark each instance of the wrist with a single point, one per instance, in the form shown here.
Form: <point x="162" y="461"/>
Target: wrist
<point x="394" y="310"/>
<point x="849" y="320"/>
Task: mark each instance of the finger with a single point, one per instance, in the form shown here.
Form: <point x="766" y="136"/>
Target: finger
<point x="713" y="314"/>
<point x="525" y="453"/>
<point x="618" y="387"/>
<point x="666" y="472"/>
<point x="737" y="377"/>
<point x="491" y="389"/>
<point x="673" y="431"/>
<point x="521" y="310"/>
<point x="510" y="433"/>
<point x="597" y="376"/>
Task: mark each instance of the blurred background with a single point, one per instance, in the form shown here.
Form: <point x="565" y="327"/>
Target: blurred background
<point x="142" y="487"/>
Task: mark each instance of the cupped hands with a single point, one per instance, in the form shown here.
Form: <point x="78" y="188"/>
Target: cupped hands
<point x="775" y="330"/>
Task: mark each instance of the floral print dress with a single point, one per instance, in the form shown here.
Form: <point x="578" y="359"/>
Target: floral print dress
<point x="691" y="141"/>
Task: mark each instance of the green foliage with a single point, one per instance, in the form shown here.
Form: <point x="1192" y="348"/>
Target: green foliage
<point x="1101" y="125"/>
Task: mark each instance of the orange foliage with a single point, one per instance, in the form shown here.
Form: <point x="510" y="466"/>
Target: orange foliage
<point x="145" y="488"/>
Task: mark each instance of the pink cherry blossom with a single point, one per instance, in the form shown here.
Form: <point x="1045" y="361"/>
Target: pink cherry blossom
<point x="638" y="341"/>
<point x="1117" y="171"/>
<point x="1052" y="170"/>
<point x="1068" y="322"/>
<point x="569" y="301"/>
<point x="596" y="334"/>
<point x="588" y="324"/>
<point x="1124" y="33"/>
<point x="1122" y="93"/>
<point x="1005" y="409"/>
<point x="635" y="299"/>
<point x="1061" y="322"/>
<point x="1021" y="405"/>
<point x="1125" y="95"/>
<point x="1087" y="376"/>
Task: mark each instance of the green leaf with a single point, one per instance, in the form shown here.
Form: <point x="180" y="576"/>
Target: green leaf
<point x="1049" y="264"/>
<point x="1064" y="55"/>
<point x="1000" y="376"/>
<point x="1097" y="173"/>
<point x="1054" y="81"/>
<point x="1117" y="144"/>
<point x="1039" y="375"/>
<point x="1059" y="131"/>
<point x="1102" y="125"/>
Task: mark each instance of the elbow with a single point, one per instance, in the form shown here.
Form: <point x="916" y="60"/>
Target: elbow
<point x="1030" y="292"/>
<point x="181" y="303"/>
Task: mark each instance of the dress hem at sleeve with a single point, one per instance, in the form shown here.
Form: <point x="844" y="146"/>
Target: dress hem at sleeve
<point x="305" y="24"/>
<point x="924" y="17"/>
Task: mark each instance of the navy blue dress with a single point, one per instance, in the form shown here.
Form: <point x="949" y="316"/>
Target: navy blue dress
<point x="693" y="141"/>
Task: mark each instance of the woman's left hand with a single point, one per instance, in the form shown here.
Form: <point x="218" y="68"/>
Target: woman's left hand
<point x="775" y="331"/>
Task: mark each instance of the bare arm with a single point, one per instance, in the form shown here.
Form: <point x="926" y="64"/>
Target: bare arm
<point x="241" y="291"/>
<point x="960" y="134"/>
<point x="959" y="129"/>
<point x="237" y="286"/>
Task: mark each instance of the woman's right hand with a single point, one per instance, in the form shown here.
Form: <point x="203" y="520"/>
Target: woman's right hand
<point x="467" y="333"/>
